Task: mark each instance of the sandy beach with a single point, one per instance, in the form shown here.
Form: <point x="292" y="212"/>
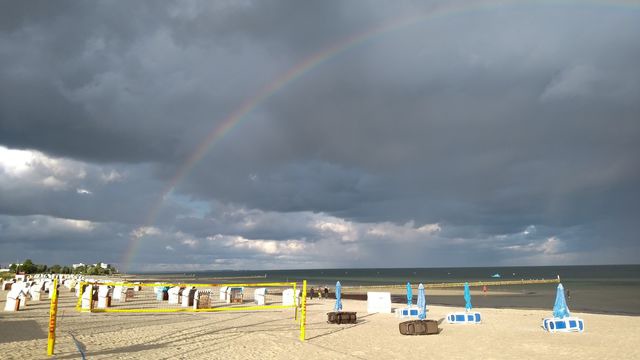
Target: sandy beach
<point x="504" y="334"/>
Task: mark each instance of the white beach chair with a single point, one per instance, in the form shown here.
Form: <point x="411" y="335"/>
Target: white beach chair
<point x="24" y="293"/>
<point x="234" y="294"/>
<point x="223" y="293"/>
<point x="289" y="299"/>
<point x="471" y="317"/>
<point x="14" y="298"/>
<point x="259" y="296"/>
<point x="174" y="295"/>
<point x="160" y="291"/>
<point x="35" y="291"/>
<point x="410" y="312"/>
<point x="188" y="296"/>
<point x="104" y="296"/>
<point x="48" y="288"/>
<point x="567" y="324"/>
<point x="118" y="292"/>
<point x="87" y="298"/>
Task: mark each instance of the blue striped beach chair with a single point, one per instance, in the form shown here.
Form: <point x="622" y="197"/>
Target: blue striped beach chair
<point x="567" y="324"/>
<point x="464" y="318"/>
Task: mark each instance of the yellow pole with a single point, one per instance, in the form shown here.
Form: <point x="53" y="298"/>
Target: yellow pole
<point x="295" y="303"/>
<point x="53" y="310"/>
<point x="303" y="310"/>
<point x="79" y="303"/>
<point x="91" y="302"/>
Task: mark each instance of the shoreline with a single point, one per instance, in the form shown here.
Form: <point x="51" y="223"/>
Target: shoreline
<point x="396" y="301"/>
<point x="528" y="296"/>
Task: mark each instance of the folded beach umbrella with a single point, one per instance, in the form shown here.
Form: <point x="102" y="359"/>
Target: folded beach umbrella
<point x="422" y="303"/>
<point x="409" y="294"/>
<point x="467" y="296"/>
<point x="338" y="305"/>
<point x="560" y="308"/>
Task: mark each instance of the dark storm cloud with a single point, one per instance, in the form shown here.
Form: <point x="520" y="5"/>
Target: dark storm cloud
<point x="482" y="125"/>
<point x="486" y="121"/>
<point x="152" y="86"/>
<point x="74" y="190"/>
<point x="60" y="241"/>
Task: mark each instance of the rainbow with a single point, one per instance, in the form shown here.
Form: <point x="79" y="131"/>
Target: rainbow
<point x="236" y="117"/>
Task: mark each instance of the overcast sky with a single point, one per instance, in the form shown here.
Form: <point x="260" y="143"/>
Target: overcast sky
<point x="450" y="133"/>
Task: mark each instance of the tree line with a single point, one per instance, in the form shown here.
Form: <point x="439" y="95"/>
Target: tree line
<point x="28" y="267"/>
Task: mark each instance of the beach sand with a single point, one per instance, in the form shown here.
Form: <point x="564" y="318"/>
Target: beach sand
<point x="504" y="334"/>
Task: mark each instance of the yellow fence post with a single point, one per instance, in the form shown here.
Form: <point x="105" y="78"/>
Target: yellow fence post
<point x="303" y="310"/>
<point x="91" y="302"/>
<point x="53" y="310"/>
<point x="79" y="302"/>
<point x="295" y="302"/>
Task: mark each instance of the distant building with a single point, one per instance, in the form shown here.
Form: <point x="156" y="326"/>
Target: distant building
<point x="102" y="265"/>
<point x="75" y="266"/>
<point x="4" y="270"/>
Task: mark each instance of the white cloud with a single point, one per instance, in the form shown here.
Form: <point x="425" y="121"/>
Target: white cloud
<point x="401" y="233"/>
<point x="83" y="191"/>
<point x="143" y="231"/>
<point x="41" y="226"/>
<point x="111" y="176"/>
<point x="429" y="228"/>
<point x="531" y="229"/>
<point x="54" y="183"/>
<point x="270" y="247"/>
<point x="19" y="168"/>
<point x="337" y="227"/>
<point x="82" y="225"/>
<point x="551" y="246"/>
<point x="16" y="162"/>
<point x="189" y="242"/>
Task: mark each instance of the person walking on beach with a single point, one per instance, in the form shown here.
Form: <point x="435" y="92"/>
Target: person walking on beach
<point x="326" y="292"/>
<point x="311" y="294"/>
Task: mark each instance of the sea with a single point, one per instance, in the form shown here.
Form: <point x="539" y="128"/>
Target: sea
<point x="609" y="289"/>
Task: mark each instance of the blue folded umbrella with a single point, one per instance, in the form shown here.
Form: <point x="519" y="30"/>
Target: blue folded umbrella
<point x="409" y="294"/>
<point x="467" y="296"/>
<point x="338" y="306"/>
<point x="560" y="308"/>
<point x="422" y="303"/>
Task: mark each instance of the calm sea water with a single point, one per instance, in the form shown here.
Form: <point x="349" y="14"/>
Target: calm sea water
<point x="602" y="288"/>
